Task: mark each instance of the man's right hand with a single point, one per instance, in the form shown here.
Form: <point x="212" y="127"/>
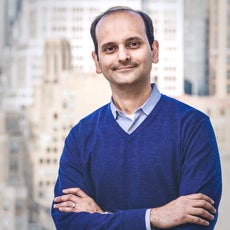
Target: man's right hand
<point x="195" y="208"/>
<point x="75" y="200"/>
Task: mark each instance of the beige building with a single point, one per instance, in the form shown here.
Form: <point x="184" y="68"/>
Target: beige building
<point x="219" y="48"/>
<point x="62" y="99"/>
<point x="219" y="85"/>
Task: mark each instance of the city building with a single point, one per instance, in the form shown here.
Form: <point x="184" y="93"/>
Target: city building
<point x="13" y="190"/>
<point x="2" y="29"/>
<point x="196" y="41"/>
<point x="167" y="16"/>
<point x="2" y="32"/>
<point x="9" y="10"/>
<point x="219" y="86"/>
<point x="60" y="101"/>
<point x="219" y="48"/>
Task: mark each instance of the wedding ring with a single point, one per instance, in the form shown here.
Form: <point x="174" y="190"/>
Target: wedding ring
<point x="73" y="205"/>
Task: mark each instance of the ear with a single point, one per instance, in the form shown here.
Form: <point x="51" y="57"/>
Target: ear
<point x="155" y="50"/>
<point x="96" y="62"/>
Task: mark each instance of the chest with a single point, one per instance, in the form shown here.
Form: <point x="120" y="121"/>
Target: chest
<point x="131" y="161"/>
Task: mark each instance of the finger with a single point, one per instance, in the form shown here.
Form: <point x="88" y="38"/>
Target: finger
<point x="76" y="191"/>
<point x="65" y="204"/>
<point x="68" y="197"/>
<point x="60" y="199"/>
<point x="201" y="196"/>
<point x="202" y="213"/>
<point x="197" y="220"/>
<point x="206" y="205"/>
<point x="68" y="209"/>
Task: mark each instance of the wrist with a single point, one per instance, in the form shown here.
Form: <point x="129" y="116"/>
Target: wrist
<point x="153" y="218"/>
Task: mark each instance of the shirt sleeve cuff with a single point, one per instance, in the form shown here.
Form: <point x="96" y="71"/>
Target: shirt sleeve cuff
<point x="147" y="219"/>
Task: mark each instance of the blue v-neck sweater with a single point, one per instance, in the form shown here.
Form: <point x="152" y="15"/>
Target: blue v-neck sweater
<point x="172" y="153"/>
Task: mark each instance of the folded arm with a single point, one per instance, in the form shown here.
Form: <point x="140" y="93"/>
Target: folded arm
<point x="196" y="208"/>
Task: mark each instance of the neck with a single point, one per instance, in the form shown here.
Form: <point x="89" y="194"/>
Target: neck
<point x="129" y="100"/>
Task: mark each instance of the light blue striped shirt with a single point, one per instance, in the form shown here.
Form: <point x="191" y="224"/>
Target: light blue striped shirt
<point x="130" y="122"/>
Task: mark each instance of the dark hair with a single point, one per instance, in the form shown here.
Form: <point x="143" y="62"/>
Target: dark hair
<point x="147" y="20"/>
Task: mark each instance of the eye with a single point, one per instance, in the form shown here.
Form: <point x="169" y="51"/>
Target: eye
<point x="134" y="44"/>
<point x="109" y="49"/>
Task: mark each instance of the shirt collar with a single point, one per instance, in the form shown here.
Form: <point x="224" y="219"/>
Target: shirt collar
<point x="147" y="107"/>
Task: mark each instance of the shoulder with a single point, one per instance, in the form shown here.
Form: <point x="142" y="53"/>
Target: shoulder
<point x="99" y="116"/>
<point x="177" y="108"/>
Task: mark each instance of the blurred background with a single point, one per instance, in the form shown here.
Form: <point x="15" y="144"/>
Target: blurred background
<point x="48" y="83"/>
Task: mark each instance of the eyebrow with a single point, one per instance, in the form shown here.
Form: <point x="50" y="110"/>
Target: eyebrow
<point x="127" y="40"/>
<point x="134" y="38"/>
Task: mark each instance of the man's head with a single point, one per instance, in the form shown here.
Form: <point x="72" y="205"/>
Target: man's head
<point x="147" y="21"/>
<point x="124" y="53"/>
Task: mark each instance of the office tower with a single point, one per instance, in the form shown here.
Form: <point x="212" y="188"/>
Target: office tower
<point x="196" y="41"/>
<point x="167" y="17"/>
<point x="9" y="10"/>
<point x="13" y="192"/>
<point x="219" y="48"/>
<point x="2" y="31"/>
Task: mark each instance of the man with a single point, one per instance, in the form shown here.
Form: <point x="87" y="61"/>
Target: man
<point x="144" y="160"/>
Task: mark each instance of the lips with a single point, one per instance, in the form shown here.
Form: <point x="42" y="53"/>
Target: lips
<point x="124" y="67"/>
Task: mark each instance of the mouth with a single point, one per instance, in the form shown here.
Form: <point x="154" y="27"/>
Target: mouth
<point x="124" y="67"/>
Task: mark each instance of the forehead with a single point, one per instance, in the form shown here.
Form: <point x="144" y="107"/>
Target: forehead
<point x="121" y="23"/>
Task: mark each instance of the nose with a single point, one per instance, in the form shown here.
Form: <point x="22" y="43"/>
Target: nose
<point x="123" y="54"/>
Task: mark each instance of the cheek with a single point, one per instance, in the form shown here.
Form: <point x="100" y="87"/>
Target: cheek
<point x="150" y="58"/>
<point x="147" y="63"/>
<point x="106" y="63"/>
